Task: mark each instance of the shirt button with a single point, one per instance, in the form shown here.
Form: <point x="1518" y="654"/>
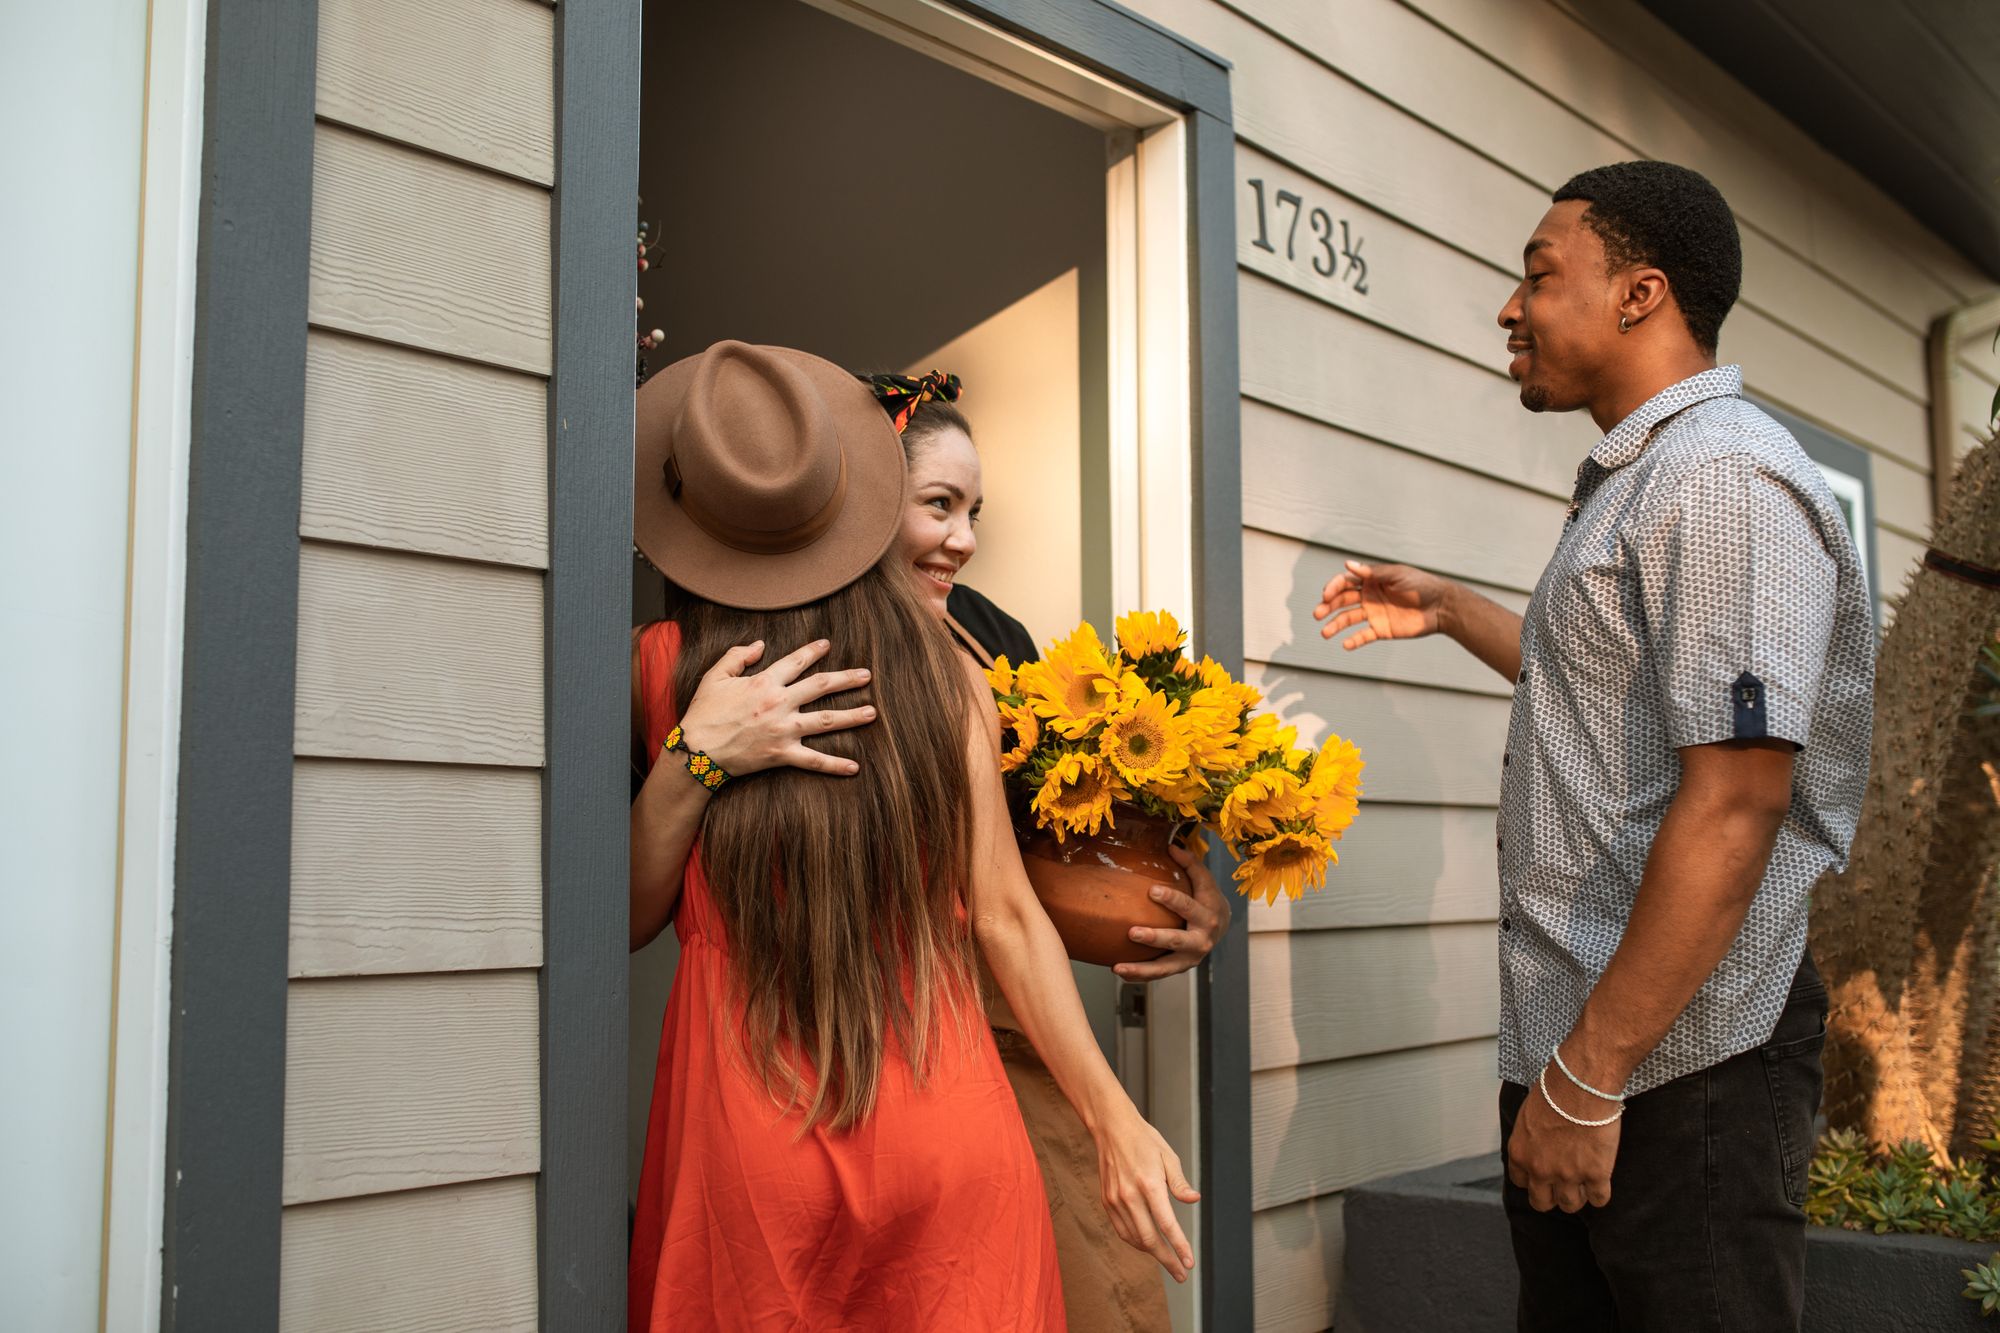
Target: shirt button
<point x="1522" y="679"/>
<point x="1506" y="923"/>
<point x="1506" y="759"/>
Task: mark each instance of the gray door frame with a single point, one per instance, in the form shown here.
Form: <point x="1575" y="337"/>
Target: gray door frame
<point x="226" y="1077"/>
<point x="224" y="1167"/>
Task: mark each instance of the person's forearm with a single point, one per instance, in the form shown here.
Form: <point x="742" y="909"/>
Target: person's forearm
<point x="1027" y="959"/>
<point x="665" y="819"/>
<point x="1701" y="877"/>
<point x="1484" y="628"/>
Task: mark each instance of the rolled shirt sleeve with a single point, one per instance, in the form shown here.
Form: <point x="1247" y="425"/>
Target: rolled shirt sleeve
<point x="1738" y="589"/>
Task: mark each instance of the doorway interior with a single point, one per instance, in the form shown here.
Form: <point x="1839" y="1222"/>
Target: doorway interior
<point x="894" y="186"/>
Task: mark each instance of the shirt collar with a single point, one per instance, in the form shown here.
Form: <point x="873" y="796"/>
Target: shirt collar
<point x="1628" y="439"/>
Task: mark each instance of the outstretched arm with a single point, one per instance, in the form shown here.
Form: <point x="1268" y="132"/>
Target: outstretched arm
<point x="1398" y="602"/>
<point x="1140" y="1175"/>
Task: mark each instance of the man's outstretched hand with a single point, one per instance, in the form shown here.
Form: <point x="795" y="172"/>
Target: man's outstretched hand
<point x="1398" y="602"/>
<point x="1388" y="601"/>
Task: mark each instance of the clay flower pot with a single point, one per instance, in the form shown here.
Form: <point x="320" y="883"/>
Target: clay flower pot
<point x="1095" y="889"/>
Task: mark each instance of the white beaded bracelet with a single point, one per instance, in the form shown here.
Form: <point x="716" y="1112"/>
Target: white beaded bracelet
<point x="1543" y="1084"/>
<point x="1618" y="1097"/>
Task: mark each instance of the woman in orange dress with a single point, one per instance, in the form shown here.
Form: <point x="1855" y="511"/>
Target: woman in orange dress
<point x="833" y="1142"/>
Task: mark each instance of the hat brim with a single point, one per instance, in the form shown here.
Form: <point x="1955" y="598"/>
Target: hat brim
<point x="870" y="513"/>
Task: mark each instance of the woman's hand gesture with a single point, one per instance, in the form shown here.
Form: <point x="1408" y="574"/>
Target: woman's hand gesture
<point x="1141" y="1177"/>
<point x="748" y="723"/>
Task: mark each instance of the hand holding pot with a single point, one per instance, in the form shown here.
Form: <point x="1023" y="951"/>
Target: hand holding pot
<point x="1205" y="910"/>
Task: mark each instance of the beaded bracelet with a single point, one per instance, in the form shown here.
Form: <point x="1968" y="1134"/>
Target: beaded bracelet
<point x="1618" y="1097"/>
<point x="1543" y="1083"/>
<point x="700" y="767"/>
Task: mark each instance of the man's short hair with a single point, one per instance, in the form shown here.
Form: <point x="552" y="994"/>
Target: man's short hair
<point x="1658" y="215"/>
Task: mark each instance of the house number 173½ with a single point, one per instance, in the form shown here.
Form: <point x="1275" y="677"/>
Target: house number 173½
<point x="1327" y="261"/>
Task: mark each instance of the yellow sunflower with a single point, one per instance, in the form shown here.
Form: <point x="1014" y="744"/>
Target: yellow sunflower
<point x="1075" y="686"/>
<point x="1288" y="863"/>
<point x="1027" y="728"/>
<point x="1076" y="796"/>
<point x="1209" y="724"/>
<point x="1262" y="735"/>
<point x="1001" y="675"/>
<point x="1334" y="786"/>
<point x="1260" y="802"/>
<point x="1142" y="740"/>
<point x="1182" y="794"/>
<point x="1144" y="633"/>
<point x="1214" y="677"/>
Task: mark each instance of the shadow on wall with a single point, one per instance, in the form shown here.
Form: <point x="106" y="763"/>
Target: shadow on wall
<point x="1320" y="1127"/>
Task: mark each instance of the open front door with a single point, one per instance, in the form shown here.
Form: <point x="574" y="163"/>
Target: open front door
<point x="901" y="184"/>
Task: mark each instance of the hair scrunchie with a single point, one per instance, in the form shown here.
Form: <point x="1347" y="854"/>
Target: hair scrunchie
<point x="902" y="395"/>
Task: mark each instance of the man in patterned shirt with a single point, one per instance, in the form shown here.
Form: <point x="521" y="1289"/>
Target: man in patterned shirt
<point x="1685" y="757"/>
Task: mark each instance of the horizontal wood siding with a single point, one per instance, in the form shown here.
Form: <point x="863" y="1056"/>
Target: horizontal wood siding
<point x="394" y="1083"/>
<point x="422" y="453"/>
<point x="413" y="1038"/>
<point x="405" y="657"/>
<point x="1329" y="994"/>
<point x="414" y="868"/>
<point x="1323" y="1127"/>
<point x="1403" y="865"/>
<point x="1379" y="424"/>
<point x="1298" y="1247"/>
<point x="1422" y="746"/>
<point x="410" y="70"/>
<point x="458" y="1259"/>
<point x="412" y="249"/>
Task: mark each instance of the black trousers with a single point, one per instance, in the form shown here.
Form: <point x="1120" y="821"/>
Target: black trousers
<point x="1705" y="1229"/>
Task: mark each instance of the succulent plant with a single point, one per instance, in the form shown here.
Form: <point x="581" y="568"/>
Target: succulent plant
<point x="1982" y="1284"/>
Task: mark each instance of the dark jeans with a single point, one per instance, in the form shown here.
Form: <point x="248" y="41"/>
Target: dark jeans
<point x="1705" y="1229"/>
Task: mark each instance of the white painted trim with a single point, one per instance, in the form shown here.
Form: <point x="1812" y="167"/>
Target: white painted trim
<point x="984" y="51"/>
<point x="170" y="198"/>
<point x="1151" y="468"/>
<point x="1164" y="320"/>
<point x="1123" y="328"/>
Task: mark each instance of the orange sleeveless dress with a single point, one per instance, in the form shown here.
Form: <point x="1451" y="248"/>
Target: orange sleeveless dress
<point x="928" y="1217"/>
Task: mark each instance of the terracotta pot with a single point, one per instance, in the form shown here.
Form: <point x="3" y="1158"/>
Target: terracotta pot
<point x="1095" y="889"/>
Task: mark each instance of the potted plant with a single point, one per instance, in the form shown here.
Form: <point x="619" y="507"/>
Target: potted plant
<point x="1118" y="753"/>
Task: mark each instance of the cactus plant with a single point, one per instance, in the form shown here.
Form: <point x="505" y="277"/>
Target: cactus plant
<point x="1908" y="937"/>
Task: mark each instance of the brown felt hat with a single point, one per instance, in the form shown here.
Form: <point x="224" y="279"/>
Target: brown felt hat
<point x="763" y="477"/>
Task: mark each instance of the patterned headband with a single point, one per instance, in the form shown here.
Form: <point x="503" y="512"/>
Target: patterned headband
<point x="901" y="395"/>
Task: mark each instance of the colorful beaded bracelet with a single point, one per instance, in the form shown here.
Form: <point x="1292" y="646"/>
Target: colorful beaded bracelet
<point x="700" y="767"/>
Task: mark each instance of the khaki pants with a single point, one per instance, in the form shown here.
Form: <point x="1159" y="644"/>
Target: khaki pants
<point x="1108" y="1287"/>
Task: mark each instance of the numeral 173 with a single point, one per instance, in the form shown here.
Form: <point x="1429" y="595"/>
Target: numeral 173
<point x="1327" y="261"/>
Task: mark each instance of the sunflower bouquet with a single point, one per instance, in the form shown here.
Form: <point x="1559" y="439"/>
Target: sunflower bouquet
<point x="1089" y="730"/>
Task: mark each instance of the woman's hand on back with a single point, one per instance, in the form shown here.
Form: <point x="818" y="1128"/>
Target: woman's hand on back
<point x="751" y="722"/>
<point x="1206" y="911"/>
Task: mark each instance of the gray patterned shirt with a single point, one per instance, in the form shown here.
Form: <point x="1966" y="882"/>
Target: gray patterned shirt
<point x="1705" y="588"/>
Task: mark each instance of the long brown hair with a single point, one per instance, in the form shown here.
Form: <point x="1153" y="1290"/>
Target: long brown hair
<point x="835" y="892"/>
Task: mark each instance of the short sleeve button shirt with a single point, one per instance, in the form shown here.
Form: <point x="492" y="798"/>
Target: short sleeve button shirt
<point x="1705" y="588"/>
